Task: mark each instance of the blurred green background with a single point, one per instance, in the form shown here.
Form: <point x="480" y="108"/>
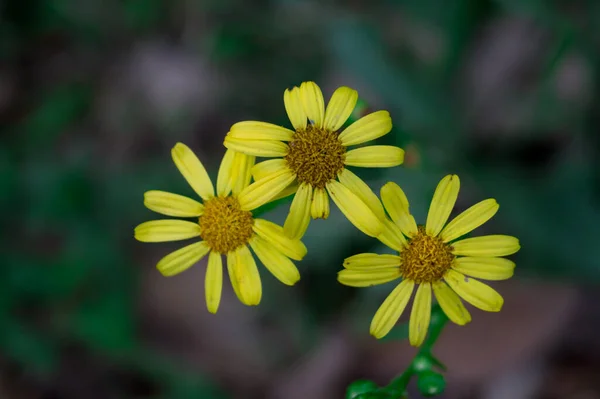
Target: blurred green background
<point x="94" y="94"/>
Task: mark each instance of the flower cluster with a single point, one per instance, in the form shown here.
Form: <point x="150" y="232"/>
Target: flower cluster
<point x="310" y="162"/>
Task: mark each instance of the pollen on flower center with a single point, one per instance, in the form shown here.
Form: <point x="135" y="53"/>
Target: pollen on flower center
<point x="224" y="226"/>
<point x="425" y="259"/>
<point x="316" y="156"/>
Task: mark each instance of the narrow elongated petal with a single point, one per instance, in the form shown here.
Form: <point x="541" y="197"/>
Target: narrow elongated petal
<point x="294" y="108"/>
<point x="356" y="211"/>
<point x="247" y="277"/>
<point x="213" y="282"/>
<point x="289" y="190"/>
<point x="232" y="261"/>
<point x="262" y="191"/>
<point x="274" y="235"/>
<point x="319" y="208"/>
<point x="442" y="203"/>
<point x="475" y="292"/>
<point x="396" y="204"/>
<point x="227" y="174"/>
<point x="420" y="315"/>
<point x="340" y="107"/>
<point x="368" y="277"/>
<point x="268" y="167"/>
<point x="375" y="156"/>
<point x="364" y="192"/>
<point x="391" y="309"/>
<point x="258" y="148"/>
<point x="391" y="235"/>
<point x="372" y="261"/>
<point x="192" y="170"/>
<point x="485" y="268"/>
<point x="451" y="303"/>
<point x="166" y="230"/>
<point x="252" y="130"/>
<point x="277" y="263"/>
<point x="242" y="165"/>
<point x="182" y="259"/>
<point x="367" y="128"/>
<point x="298" y="218"/>
<point x="470" y="219"/>
<point x="314" y="105"/>
<point x="493" y="245"/>
<point x="172" y="204"/>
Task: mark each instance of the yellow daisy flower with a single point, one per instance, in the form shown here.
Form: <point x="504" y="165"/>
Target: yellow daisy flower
<point x="432" y="258"/>
<point x="226" y="227"/>
<point x="312" y="158"/>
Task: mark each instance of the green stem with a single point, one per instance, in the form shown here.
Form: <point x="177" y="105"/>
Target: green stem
<point x="436" y="325"/>
<point x="423" y="361"/>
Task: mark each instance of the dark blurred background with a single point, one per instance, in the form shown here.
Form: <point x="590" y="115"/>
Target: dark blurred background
<point x="93" y="94"/>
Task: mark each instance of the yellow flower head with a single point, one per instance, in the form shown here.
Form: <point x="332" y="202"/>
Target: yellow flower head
<point x="433" y="258"/>
<point x="226" y="227"/>
<point x="312" y="158"/>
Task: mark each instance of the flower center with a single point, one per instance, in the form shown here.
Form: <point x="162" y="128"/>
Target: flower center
<point x="316" y="156"/>
<point x="425" y="259"/>
<point x="224" y="226"/>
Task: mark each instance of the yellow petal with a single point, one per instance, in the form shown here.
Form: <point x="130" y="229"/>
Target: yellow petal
<point x="277" y="263"/>
<point x="320" y="204"/>
<point x="213" y="282"/>
<point x="368" y="277"/>
<point x="375" y="156"/>
<point x="252" y="130"/>
<point x="289" y="190"/>
<point x="396" y="204"/>
<point x="390" y="310"/>
<point x="314" y="105"/>
<point x="475" y="292"/>
<point x="356" y="211"/>
<point x="182" y="259"/>
<point x="262" y="191"/>
<point x="470" y="219"/>
<point x="247" y="277"/>
<point x="391" y="235"/>
<point x="364" y="192"/>
<point x="442" y="203"/>
<point x="172" y="204"/>
<point x="340" y="106"/>
<point x="485" y="268"/>
<point x="274" y="235"/>
<point x="227" y="174"/>
<point x="192" y="170"/>
<point x="367" y="128"/>
<point x="259" y="148"/>
<point x="372" y="261"/>
<point x="451" y="303"/>
<point x="166" y="230"/>
<point x="420" y="315"/>
<point x="298" y="218"/>
<point x="493" y="245"/>
<point x="232" y="271"/>
<point x="243" y="166"/>
<point x="268" y="167"/>
<point x="294" y="108"/>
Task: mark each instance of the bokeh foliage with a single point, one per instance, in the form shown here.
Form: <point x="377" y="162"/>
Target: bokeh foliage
<point x="68" y="276"/>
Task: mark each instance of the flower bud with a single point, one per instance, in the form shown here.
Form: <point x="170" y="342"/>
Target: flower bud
<point x="431" y="383"/>
<point x="360" y="387"/>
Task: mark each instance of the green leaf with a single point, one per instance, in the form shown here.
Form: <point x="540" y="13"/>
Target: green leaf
<point x="53" y="114"/>
<point x="22" y="345"/>
<point x="106" y="323"/>
<point x="422" y="106"/>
